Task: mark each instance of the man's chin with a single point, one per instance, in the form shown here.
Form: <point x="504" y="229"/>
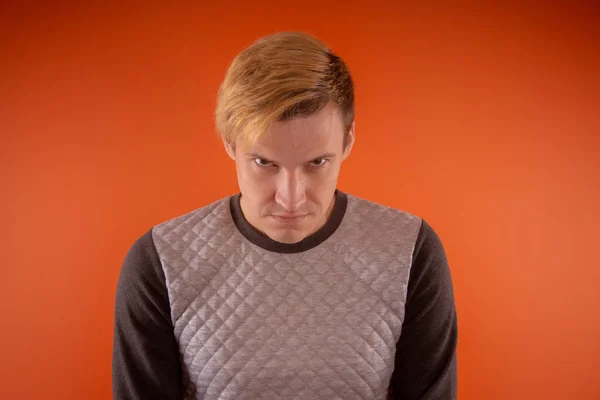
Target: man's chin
<point x="288" y="236"/>
<point x="288" y="231"/>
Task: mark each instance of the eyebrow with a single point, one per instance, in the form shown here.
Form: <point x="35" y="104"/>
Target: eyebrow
<point x="256" y="155"/>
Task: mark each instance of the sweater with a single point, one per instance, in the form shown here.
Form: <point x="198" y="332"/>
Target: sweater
<point x="207" y="307"/>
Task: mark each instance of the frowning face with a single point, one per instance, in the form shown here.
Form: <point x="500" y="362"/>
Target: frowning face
<point x="288" y="178"/>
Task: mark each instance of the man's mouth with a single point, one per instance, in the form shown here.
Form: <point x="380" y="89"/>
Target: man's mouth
<point x="289" y="218"/>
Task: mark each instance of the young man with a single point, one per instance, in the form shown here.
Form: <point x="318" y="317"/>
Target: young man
<point x="290" y="289"/>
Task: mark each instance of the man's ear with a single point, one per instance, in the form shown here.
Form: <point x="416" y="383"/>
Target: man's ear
<point x="229" y="148"/>
<point x="350" y="139"/>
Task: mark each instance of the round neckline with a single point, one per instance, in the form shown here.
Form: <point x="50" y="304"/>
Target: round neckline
<point x="309" y="242"/>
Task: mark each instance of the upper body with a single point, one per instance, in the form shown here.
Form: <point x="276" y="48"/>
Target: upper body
<point x="291" y="288"/>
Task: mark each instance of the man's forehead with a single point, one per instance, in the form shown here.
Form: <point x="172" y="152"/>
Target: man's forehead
<point x="301" y="131"/>
<point x="301" y="138"/>
<point x="297" y="136"/>
<point x="302" y="149"/>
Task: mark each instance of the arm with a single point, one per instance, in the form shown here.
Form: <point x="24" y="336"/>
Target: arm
<point x="425" y="365"/>
<point x="145" y="353"/>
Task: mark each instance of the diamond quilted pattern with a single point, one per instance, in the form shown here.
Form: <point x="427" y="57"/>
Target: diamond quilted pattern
<point x="254" y="324"/>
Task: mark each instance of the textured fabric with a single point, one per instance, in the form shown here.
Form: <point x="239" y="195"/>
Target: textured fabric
<point x="256" y="324"/>
<point x="426" y="367"/>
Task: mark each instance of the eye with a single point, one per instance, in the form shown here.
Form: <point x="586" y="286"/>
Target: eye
<point x="263" y="163"/>
<point x="319" y="162"/>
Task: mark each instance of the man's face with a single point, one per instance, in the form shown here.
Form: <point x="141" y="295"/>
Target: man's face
<point x="288" y="178"/>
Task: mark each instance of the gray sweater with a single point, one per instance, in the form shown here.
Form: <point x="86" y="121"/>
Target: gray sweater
<point x="209" y="308"/>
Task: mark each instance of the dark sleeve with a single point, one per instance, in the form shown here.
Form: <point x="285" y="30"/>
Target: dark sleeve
<point x="425" y="365"/>
<point x="145" y="354"/>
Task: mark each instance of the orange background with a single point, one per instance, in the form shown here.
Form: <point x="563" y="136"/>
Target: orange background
<point x="483" y="121"/>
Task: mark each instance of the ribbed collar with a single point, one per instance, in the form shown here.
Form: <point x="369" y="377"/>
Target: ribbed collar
<point x="309" y="242"/>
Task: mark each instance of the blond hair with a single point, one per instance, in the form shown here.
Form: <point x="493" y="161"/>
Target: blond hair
<point x="277" y="78"/>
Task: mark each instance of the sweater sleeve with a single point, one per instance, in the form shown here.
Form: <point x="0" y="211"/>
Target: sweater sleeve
<point x="145" y="354"/>
<point x="425" y="364"/>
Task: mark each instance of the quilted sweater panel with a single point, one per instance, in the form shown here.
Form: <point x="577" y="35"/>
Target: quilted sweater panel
<point x="255" y="324"/>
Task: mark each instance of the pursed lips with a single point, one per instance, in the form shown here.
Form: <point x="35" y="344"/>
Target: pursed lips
<point x="288" y="218"/>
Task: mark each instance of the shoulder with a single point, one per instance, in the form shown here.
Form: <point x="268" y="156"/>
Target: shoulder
<point x="430" y="275"/>
<point x="204" y="215"/>
<point x="141" y="268"/>
<point x="142" y="261"/>
<point x="173" y="236"/>
<point x="391" y="220"/>
<point x="428" y="241"/>
<point x="383" y="217"/>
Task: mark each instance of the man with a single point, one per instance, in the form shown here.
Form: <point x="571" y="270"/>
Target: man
<point x="290" y="289"/>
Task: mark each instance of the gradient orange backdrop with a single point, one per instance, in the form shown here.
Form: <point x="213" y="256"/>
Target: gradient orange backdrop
<point x="483" y="121"/>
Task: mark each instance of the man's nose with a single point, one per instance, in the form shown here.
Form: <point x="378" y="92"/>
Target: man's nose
<point x="291" y="191"/>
